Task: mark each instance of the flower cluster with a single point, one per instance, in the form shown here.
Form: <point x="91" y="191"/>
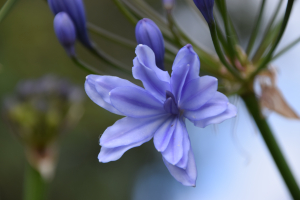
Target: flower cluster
<point x="159" y="111"/>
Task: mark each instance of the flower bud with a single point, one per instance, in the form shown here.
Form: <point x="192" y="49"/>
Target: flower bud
<point x="148" y="33"/>
<point x="168" y="4"/>
<point x="206" y="8"/>
<point x="75" y="10"/>
<point x="65" y="32"/>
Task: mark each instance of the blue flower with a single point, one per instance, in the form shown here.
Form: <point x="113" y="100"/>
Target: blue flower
<point x="206" y="8"/>
<point x="75" y="9"/>
<point x="65" y="32"/>
<point x="159" y="111"/>
<point x="148" y="33"/>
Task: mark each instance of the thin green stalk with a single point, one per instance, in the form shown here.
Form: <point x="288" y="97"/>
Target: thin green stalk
<point x="124" y="10"/>
<point x="268" y="29"/>
<point x="34" y="185"/>
<point x="285" y="49"/>
<point x="221" y="37"/>
<point x="110" y="36"/>
<point x="256" y="28"/>
<point x="283" y="27"/>
<point x="215" y="40"/>
<point x="172" y="27"/>
<point x="229" y="34"/>
<point x="6" y="8"/>
<point x="85" y="66"/>
<point x="254" y="109"/>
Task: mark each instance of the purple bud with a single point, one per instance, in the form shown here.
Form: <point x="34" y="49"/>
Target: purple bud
<point x="75" y="9"/>
<point x="65" y="32"/>
<point x="206" y="8"/>
<point x="168" y="4"/>
<point x="148" y="33"/>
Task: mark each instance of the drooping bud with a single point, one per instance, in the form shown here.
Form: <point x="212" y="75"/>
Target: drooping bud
<point x="65" y="32"/>
<point x="148" y="33"/>
<point x="206" y="8"/>
<point x="168" y="4"/>
<point x="75" y="9"/>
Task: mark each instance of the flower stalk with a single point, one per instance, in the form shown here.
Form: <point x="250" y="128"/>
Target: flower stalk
<point x="6" y="8"/>
<point x="254" y="109"/>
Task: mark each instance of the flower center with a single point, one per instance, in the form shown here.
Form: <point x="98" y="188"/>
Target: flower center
<point x="170" y="105"/>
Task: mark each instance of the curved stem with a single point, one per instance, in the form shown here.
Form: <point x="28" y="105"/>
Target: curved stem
<point x="34" y="185"/>
<point x="215" y="40"/>
<point x="6" y="8"/>
<point x="283" y="27"/>
<point x="256" y="28"/>
<point x="254" y="109"/>
<point x="85" y="66"/>
<point x="285" y="49"/>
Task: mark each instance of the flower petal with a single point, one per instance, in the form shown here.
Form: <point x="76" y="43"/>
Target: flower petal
<point x="178" y="78"/>
<point x="227" y="114"/>
<point x="186" y="176"/>
<point x="164" y="133"/>
<point x="146" y="57"/>
<point x="91" y="91"/>
<point x="174" y="151"/>
<point x="197" y="92"/>
<point x="187" y="56"/>
<point x="136" y="102"/>
<point x="127" y="131"/>
<point x="112" y="154"/>
<point x="104" y="84"/>
<point x="213" y="107"/>
<point x="150" y="80"/>
<point x="186" y="148"/>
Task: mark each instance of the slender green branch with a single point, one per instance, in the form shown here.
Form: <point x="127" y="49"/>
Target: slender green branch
<point x="215" y="40"/>
<point x="6" y="8"/>
<point x="221" y="37"/>
<point x="254" y="109"/>
<point x="172" y="27"/>
<point x="85" y="66"/>
<point x="285" y="49"/>
<point x="34" y="185"/>
<point x="267" y="31"/>
<point x="124" y="10"/>
<point x="110" y="36"/>
<point x="283" y="27"/>
<point x="256" y="28"/>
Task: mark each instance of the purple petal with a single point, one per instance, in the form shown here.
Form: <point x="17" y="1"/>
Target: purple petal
<point x="150" y="80"/>
<point x="197" y="92"/>
<point x="128" y="131"/>
<point x="229" y="113"/>
<point x="146" y="57"/>
<point x="178" y="78"/>
<point x="186" y="176"/>
<point x="91" y="91"/>
<point x="187" y="56"/>
<point x="170" y="106"/>
<point x="164" y="133"/>
<point x="112" y="154"/>
<point x="174" y="151"/>
<point x="186" y="148"/>
<point x="213" y="107"/>
<point x="135" y="102"/>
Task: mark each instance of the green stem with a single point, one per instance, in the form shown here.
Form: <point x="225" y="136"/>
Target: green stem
<point x="85" y="66"/>
<point x="214" y="36"/>
<point x="254" y="109"/>
<point x="256" y="28"/>
<point x="34" y="185"/>
<point x="6" y="8"/>
<point x="172" y="27"/>
<point x="267" y="31"/>
<point x="285" y="49"/>
<point x="124" y="10"/>
<point x="283" y="27"/>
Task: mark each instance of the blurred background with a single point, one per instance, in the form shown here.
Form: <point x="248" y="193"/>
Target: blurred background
<point x="232" y="159"/>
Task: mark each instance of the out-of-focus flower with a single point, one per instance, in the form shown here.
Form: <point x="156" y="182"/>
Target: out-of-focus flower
<point x="206" y="8"/>
<point x="65" y="32"/>
<point x="148" y="33"/>
<point x="160" y="109"/>
<point x="38" y="113"/>
<point x="75" y="10"/>
<point x="168" y="4"/>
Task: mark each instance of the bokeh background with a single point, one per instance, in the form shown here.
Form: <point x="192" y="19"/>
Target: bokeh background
<point x="232" y="159"/>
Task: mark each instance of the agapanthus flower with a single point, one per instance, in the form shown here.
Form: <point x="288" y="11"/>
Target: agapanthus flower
<point x="159" y="110"/>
